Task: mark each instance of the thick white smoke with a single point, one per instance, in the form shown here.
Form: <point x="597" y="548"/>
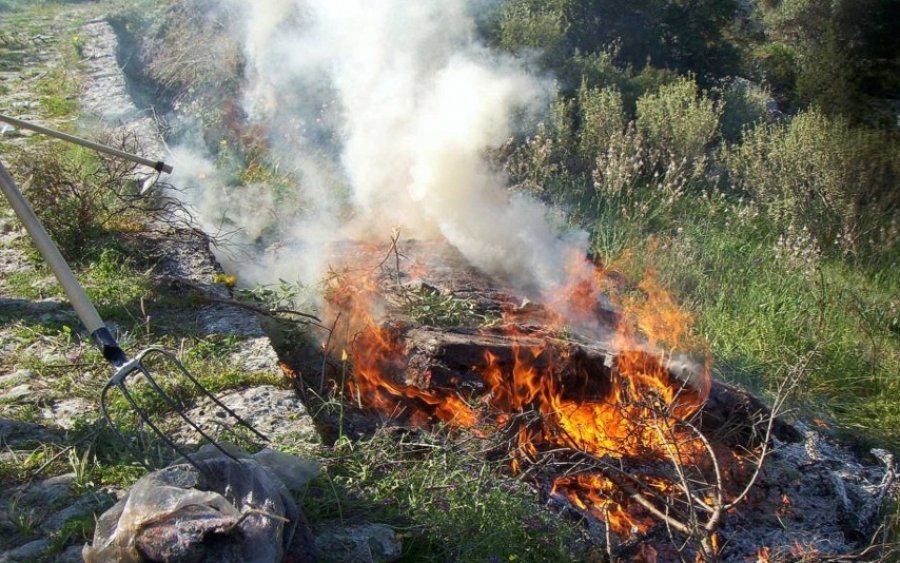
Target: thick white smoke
<point x="392" y="103"/>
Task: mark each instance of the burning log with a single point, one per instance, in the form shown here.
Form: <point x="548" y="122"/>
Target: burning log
<point x="453" y="359"/>
<point x="591" y="402"/>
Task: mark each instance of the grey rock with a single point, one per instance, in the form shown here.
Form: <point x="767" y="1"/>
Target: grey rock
<point x="49" y="492"/>
<point x="65" y="413"/>
<point x="91" y="503"/>
<point x="256" y="354"/>
<point x="366" y="543"/>
<point x="274" y="412"/>
<point x="26" y="553"/>
<point x="15" y="378"/>
<point x="13" y="432"/>
<point x="226" y="319"/>
<point x="17" y="393"/>
<point x="72" y="554"/>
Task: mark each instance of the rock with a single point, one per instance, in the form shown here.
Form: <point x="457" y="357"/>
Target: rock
<point x="256" y="354"/>
<point x="27" y="553"/>
<point x="272" y="411"/>
<point x="13" y="432"/>
<point x="17" y="393"/>
<point x="50" y="491"/>
<point x="366" y="543"/>
<point x="66" y="412"/>
<point x="89" y="504"/>
<point x="17" y="377"/>
<point x="226" y="319"/>
<point x="72" y="554"/>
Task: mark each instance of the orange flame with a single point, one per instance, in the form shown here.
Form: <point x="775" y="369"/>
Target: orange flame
<point x="634" y="411"/>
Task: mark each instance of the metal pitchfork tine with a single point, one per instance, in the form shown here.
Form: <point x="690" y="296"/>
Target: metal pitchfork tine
<point x="101" y="335"/>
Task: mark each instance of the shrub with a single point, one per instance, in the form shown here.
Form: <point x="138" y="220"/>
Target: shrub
<point x="679" y="120"/>
<point x="745" y="104"/>
<point x="633" y="172"/>
<point x="532" y="24"/>
<point x="779" y="66"/>
<point x="602" y="116"/>
<point x="821" y="173"/>
<point x="80" y="196"/>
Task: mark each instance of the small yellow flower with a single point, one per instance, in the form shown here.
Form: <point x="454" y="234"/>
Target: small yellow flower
<point x="226" y="279"/>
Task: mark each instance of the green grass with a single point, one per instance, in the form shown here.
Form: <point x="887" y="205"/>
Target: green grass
<point x="442" y="498"/>
<point x="59" y="88"/>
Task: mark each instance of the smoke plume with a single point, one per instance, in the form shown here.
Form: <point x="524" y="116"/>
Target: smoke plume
<point x="384" y="110"/>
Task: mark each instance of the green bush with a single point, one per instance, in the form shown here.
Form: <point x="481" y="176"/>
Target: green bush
<point x="680" y="120"/>
<point x="821" y="173"/>
<point x="745" y="104"/>
<point x="778" y="67"/>
<point x="531" y="24"/>
<point x="602" y="116"/>
<point x="825" y="76"/>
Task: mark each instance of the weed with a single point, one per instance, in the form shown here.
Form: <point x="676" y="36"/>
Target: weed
<point x="448" y="502"/>
<point x="17" y="465"/>
<point x="431" y="307"/>
<point x="73" y="531"/>
<point x="82" y="467"/>
<point x="284" y="294"/>
<point x="25" y="519"/>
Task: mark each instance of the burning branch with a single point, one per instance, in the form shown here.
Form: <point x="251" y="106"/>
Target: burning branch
<point x="628" y="432"/>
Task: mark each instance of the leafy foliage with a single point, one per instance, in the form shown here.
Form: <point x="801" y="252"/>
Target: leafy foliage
<point x="823" y="174"/>
<point x="669" y="33"/>
<point x="679" y="120"/>
<point x="430" y="307"/>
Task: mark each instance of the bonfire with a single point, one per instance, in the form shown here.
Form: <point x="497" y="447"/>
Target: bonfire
<point x="600" y="393"/>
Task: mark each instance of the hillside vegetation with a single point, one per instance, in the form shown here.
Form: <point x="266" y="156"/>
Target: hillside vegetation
<point x="751" y="158"/>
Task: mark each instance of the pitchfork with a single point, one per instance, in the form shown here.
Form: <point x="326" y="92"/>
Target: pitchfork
<point x="125" y="367"/>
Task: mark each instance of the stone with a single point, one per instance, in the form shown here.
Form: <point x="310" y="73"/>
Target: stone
<point x="365" y="543"/>
<point x="72" y="554"/>
<point x="227" y="319"/>
<point x="67" y="412"/>
<point x="17" y="393"/>
<point x="14" y="432"/>
<point x="86" y="505"/>
<point x="50" y="491"/>
<point x="256" y="354"/>
<point x="27" y="553"/>
<point x="272" y="411"/>
<point x="17" y="377"/>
